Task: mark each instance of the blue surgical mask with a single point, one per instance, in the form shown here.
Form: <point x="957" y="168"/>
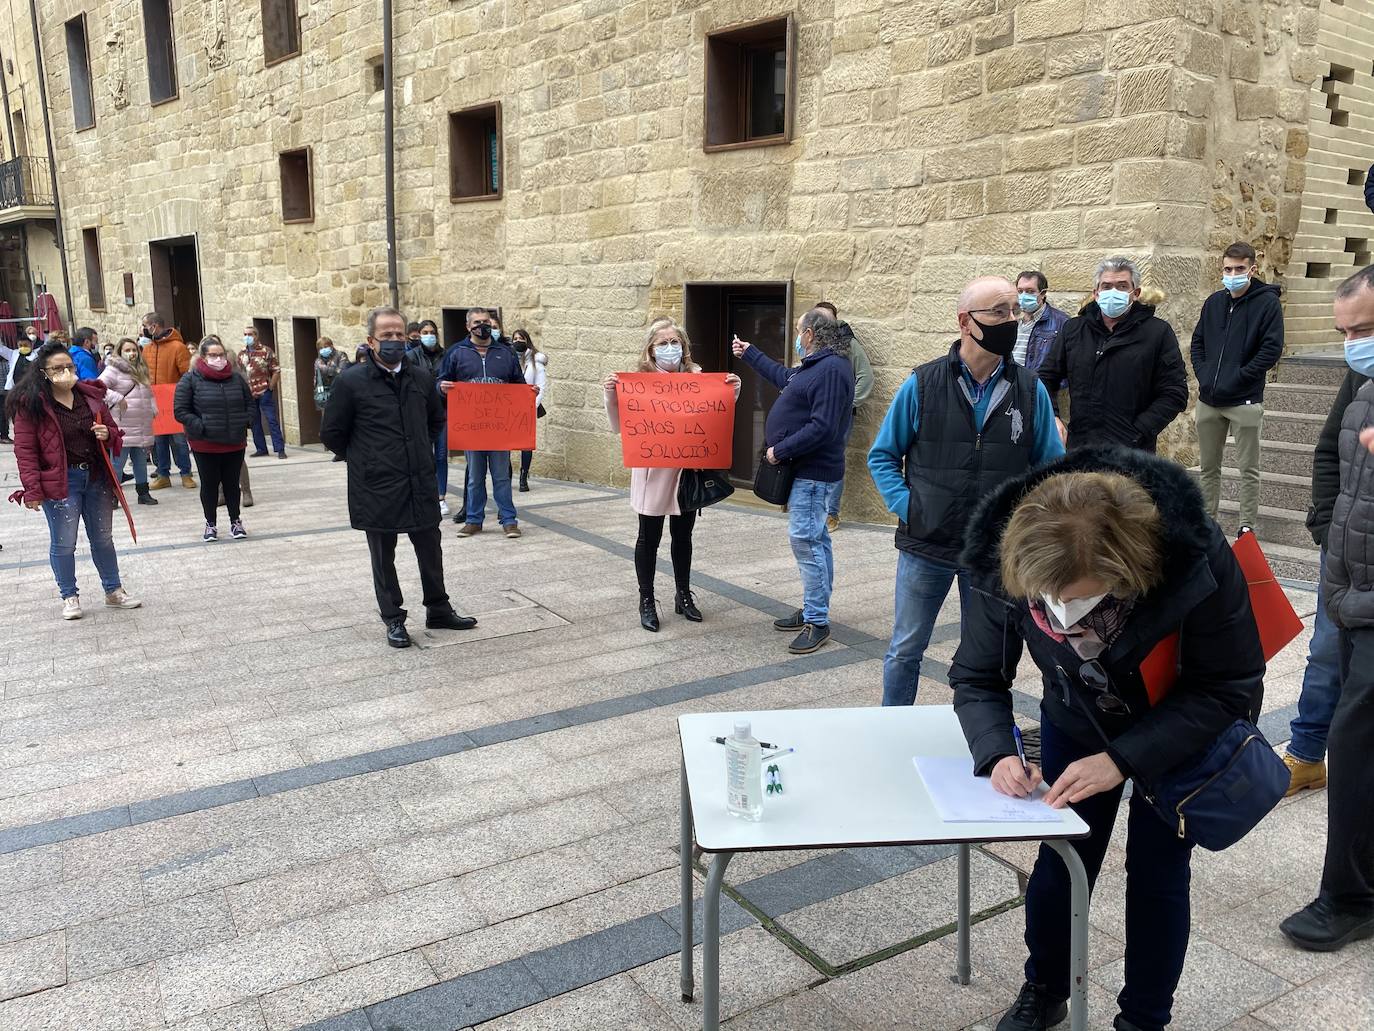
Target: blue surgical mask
<point x="668" y="357"/>
<point x="326" y="352"/>
<point x="1237" y="282"/>
<point x="797" y="345"/>
<point x="1113" y="302"/>
<point x="1359" y="355"/>
<point x="248" y="341"/>
<point x="429" y="340"/>
<point x="1028" y="302"/>
<point x="143" y="342"/>
<point x="495" y="334"/>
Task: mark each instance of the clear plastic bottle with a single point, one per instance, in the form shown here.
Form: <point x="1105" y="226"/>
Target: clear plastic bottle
<point x="744" y="774"/>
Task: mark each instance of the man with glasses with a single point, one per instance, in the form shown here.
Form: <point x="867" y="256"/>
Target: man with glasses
<point x="959" y="426"/>
<point x="383" y="416"/>
<point x="1122" y="363"/>
<point x="479" y="359"/>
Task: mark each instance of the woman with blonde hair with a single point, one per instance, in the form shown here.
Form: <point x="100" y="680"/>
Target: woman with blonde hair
<point x="130" y="400"/>
<point x="1097" y="563"/>
<point x="653" y="492"/>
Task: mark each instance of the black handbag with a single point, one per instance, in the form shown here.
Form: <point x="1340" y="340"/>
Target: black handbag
<point x="540" y="413"/>
<point x="701" y="488"/>
<point x="773" y="483"/>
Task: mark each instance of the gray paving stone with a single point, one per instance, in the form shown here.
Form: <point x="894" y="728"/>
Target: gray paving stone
<point x="813" y="881"/>
<point x="616" y="1002"/>
<point x="64" y="903"/>
<point x="126" y="1000"/>
<point x="463" y="1002"/>
<point x="45" y="832"/>
<point x="243" y="1016"/>
<point x="535" y="881"/>
<point x="32" y="965"/>
<point x="346" y="992"/>
<point x="399" y="922"/>
<point x="296" y="894"/>
<point x="192" y="801"/>
<point x="1339" y="999"/>
<point x="593" y="957"/>
<point x="140" y="935"/>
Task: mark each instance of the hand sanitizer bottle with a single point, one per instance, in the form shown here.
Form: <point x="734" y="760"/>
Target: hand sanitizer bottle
<point x="743" y="774"/>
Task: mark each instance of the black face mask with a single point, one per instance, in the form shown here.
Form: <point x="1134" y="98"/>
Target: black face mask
<point x="521" y="346"/>
<point x="391" y="352"/>
<point x="999" y="339"/>
<point x="481" y="332"/>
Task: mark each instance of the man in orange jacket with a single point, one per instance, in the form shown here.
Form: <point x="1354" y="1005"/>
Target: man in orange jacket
<point x="165" y="354"/>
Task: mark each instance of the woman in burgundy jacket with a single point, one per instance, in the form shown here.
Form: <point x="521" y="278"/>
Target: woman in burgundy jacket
<point x="60" y="426"/>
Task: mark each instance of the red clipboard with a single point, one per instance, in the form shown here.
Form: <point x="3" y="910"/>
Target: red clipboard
<point x="1275" y="619"/>
<point x="119" y="490"/>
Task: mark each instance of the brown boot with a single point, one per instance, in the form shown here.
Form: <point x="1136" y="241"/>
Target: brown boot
<point x="159" y="483"/>
<point x="1303" y="774"/>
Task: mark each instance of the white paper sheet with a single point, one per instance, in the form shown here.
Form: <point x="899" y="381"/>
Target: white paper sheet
<point x="960" y="797"/>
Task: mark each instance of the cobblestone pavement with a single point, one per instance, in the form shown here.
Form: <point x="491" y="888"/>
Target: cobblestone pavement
<point x="236" y="809"/>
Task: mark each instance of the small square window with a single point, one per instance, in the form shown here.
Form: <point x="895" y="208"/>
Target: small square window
<point x="297" y="187"/>
<point x="95" y="277"/>
<point x="376" y="75"/>
<point x="474" y="153"/>
<point x="750" y="85"/>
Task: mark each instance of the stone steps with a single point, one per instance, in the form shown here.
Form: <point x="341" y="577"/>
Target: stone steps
<point x="1329" y="372"/>
<point x="1278" y="490"/>
<point x="1275" y="526"/>
<point x="1293" y="427"/>
<point x="1302" y="398"/>
<point x="1277" y="456"/>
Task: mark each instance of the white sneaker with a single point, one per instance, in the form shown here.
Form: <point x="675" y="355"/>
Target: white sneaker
<point x="117" y="599"/>
<point x="443" y="507"/>
<point x="71" y="607"/>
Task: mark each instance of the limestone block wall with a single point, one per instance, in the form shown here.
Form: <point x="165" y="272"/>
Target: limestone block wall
<point x="1336" y="232"/>
<point x="934" y="140"/>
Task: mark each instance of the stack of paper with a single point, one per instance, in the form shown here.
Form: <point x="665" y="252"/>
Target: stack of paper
<point x="960" y="797"/>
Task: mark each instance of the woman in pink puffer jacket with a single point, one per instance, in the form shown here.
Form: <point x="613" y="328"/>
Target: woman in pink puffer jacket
<point x="130" y="400"/>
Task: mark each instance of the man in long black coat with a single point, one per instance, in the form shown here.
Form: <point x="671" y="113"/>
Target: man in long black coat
<point x="383" y="417"/>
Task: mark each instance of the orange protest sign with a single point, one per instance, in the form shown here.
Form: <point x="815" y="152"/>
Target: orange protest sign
<point x="676" y="421"/>
<point x="490" y="417"/>
<point x="164" y="421"/>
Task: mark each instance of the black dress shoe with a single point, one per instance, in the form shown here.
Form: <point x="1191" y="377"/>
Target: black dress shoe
<point x="1321" y="927"/>
<point x="396" y="635"/>
<point x="1033" y="1010"/>
<point x="685" y="605"/>
<point x="440" y="619"/>
<point x="524" y="484"/>
<point x="793" y="622"/>
<point x="648" y="613"/>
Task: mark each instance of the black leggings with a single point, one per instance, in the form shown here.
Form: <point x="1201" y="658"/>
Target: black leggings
<point x="526" y="457"/>
<point x="219" y="472"/>
<point x="646" y="549"/>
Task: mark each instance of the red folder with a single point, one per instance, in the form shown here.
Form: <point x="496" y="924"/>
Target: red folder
<point x="1275" y="620"/>
<point x="119" y="490"/>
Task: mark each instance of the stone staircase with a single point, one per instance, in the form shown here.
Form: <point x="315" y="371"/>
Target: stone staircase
<point x="1296" y="404"/>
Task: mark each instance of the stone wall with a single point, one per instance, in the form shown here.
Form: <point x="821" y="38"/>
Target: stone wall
<point x="935" y="140"/>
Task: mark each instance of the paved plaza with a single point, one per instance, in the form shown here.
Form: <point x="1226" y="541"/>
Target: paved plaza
<point x="237" y="809"/>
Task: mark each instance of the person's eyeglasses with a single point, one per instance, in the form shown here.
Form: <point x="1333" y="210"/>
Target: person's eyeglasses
<point x="1095" y="677"/>
<point x="69" y="367"/>
<point x="1002" y="311"/>
<point x="669" y="343"/>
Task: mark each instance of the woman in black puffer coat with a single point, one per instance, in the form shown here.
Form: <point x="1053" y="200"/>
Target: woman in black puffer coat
<point x="212" y="404"/>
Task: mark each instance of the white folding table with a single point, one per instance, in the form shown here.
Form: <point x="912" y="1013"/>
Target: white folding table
<point x="851" y="784"/>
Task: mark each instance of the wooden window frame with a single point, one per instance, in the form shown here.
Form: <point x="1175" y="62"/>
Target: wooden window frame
<point x="90" y="235"/>
<point x="282" y="158"/>
<point x="454" y="118"/>
<point x="300" y="43"/>
<point x="86" y="56"/>
<point x="746" y="37"/>
<point x="171" y="55"/>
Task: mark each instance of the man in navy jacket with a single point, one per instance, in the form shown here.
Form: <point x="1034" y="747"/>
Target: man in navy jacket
<point x="479" y="359"/>
<point x="807" y="427"/>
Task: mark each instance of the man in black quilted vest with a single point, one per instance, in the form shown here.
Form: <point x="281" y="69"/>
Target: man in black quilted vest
<point x="1343" y="910"/>
<point x="959" y="426"/>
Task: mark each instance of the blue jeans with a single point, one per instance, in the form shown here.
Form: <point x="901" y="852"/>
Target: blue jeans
<point x="498" y="462"/>
<point x="806" y="510"/>
<point x="1157" y="903"/>
<point x="922" y="587"/>
<point x="139" y="456"/>
<point x="265" y="405"/>
<point x="89" y="499"/>
<point x="441" y="461"/>
<point x="1321" y="685"/>
<point x="165" y="447"/>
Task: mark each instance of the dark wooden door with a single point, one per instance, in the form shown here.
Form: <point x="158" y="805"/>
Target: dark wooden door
<point x="305" y="333"/>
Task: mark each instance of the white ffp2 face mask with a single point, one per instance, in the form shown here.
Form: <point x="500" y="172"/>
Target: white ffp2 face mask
<point x="1068" y="613"/>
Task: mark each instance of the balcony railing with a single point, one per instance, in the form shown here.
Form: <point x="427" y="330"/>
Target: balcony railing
<point x="24" y="182"/>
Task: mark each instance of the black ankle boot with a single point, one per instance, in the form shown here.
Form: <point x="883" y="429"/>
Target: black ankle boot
<point x="524" y="483"/>
<point x="685" y="605"/>
<point x="145" y="496"/>
<point x="648" y="613"/>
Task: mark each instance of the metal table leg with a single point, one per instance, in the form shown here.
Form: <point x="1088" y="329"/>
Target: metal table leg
<point x="685" y="844"/>
<point x="1078" y="940"/>
<point x="964" y="968"/>
<point x="710" y="942"/>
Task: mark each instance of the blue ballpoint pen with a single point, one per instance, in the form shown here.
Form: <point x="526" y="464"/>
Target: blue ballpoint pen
<point x="1020" y="748"/>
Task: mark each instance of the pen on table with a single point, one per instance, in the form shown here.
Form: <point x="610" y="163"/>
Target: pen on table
<point x="776" y="755"/>
<point x="1020" y="748"/>
<point x="762" y="744"/>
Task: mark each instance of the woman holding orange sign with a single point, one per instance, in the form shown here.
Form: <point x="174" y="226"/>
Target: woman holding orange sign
<point x="654" y="492"/>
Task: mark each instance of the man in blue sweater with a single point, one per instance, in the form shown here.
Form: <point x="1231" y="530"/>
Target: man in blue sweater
<point x="958" y="427"/>
<point x="807" y="427"/>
